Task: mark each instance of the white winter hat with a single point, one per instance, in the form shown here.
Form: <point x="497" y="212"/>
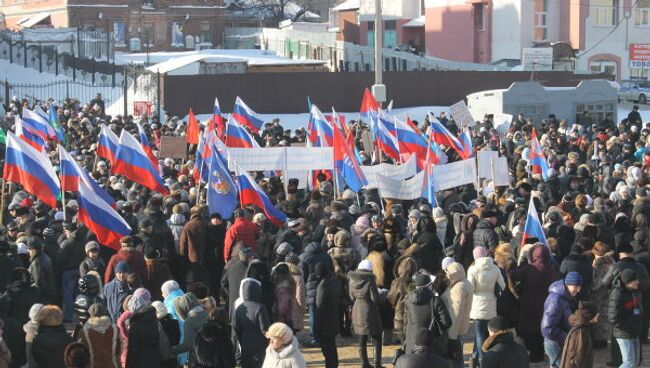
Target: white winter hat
<point x="365" y="265"/>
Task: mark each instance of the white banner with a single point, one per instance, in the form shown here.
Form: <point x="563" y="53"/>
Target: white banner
<point x="502" y="123"/>
<point x="501" y="172"/>
<point x="454" y="174"/>
<point x="461" y="114"/>
<point x="400" y="189"/>
<point x="282" y="158"/>
<point x="395" y="172"/>
<point x="484" y="158"/>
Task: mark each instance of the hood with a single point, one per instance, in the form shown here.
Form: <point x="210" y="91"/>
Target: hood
<point x="468" y="222"/>
<point x="421" y="296"/>
<point x="455" y="273"/>
<point x="484" y="263"/>
<point x="360" y="279"/>
<point x="184" y="304"/>
<point x="251" y="290"/>
<point x="558" y="288"/>
<point x="405" y="267"/>
<point x="173" y="295"/>
<point x="99" y="324"/>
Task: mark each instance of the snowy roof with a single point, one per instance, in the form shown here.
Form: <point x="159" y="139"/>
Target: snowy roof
<point x="348" y="5"/>
<point x="167" y="61"/>
<point x="35" y="20"/>
<point x="415" y="22"/>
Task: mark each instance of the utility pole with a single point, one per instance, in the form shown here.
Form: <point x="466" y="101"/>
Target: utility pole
<point x="379" y="89"/>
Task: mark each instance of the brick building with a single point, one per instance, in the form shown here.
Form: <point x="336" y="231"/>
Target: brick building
<point x="161" y="24"/>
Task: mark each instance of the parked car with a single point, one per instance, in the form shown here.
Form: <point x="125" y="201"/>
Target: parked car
<point x="636" y="90"/>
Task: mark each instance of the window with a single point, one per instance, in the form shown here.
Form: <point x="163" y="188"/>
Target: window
<point x="606" y="12"/>
<point x="371" y="34"/>
<point x="603" y="66"/>
<point x="642" y="15"/>
<point x="206" y="33"/>
<point x="119" y="34"/>
<point x="541" y="25"/>
<point x="147" y="34"/>
<point x="479" y="17"/>
<point x="390" y="34"/>
<point x="596" y="112"/>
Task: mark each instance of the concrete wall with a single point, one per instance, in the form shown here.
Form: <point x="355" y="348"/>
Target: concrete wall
<point x="506" y="23"/>
<point x="449" y="32"/>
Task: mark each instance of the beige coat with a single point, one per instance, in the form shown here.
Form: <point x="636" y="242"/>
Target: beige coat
<point x="300" y="305"/>
<point x="458" y="298"/>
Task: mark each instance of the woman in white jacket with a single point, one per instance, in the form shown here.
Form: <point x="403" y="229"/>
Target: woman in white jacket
<point x="458" y="298"/>
<point x="484" y="275"/>
<point x="283" y="350"/>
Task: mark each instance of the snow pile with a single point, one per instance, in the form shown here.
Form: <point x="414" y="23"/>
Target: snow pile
<point x="16" y="73"/>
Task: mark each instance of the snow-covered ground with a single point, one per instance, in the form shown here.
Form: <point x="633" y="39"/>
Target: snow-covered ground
<point x="16" y="73"/>
<point x="294" y="121"/>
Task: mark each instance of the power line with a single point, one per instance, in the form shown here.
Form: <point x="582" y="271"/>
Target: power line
<point x="620" y="21"/>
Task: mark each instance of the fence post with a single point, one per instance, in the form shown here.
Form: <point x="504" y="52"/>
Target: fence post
<point x="74" y="67"/>
<point x="125" y="91"/>
<point x="11" y="51"/>
<point x="94" y="66"/>
<point x="56" y="61"/>
<point x="40" y="58"/>
<point x="25" y="53"/>
<point x="6" y="92"/>
<point x="67" y="89"/>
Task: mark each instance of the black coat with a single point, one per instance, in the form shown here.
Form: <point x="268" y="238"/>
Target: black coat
<point x="422" y="357"/>
<point x="625" y="264"/>
<point x="502" y="350"/>
<point x="49" y="345"/>
<point x="421" y="307"/>
<point x="249" y="323"/>
<point x="578" y="262"/>
<point x="14" y="336"/>
<point x="328" y="295"/>
<point x="72" y="252"/>
<point x="625" y="311"/>
<point x="313" y="255"/>
<point x="485" y="236"/>
<point x="19" y="298"/>
<point x="235" y="271"/>
<point x="144" y="340"/>
<point x="172" y="329"/>
<point x="212" y="348"/>
<point x="429" y="252"/>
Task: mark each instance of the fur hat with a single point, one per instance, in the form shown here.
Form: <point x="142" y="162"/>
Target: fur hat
<point x="161" y="310"/>
<point x="76" y="355"/>
<point x="341" y="238"/>
<point x="50" y="315"/>
<point x="98" y="310"/>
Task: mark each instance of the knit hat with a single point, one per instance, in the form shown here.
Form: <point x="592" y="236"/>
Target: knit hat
<point x="498" y="323"/>
<point x="259" y="218"/>
<point x="362" y="222"/>
<point x="573" y="278"/>
<point x="169" y="286"/>
<point x="625" y="248"/>
<point x="446" y="262"/>
<point x="281" y="332"/>
<point x="142" y="293"/>
<point x="33" y="311"/>
<point x="92" y="245"/>
<point x="98" y="310"/>
<point x="341" y="238"/>
<point x="161" y="310"/>
<point x="629" y="275"/>
<point x="284" y="249"/>
<point x="479" y="252"/>
<point x="48" y="232"/>
<point x="122" y="267"/>
<point x="141" y="299"/>
<point x="488" y="213"/>
<point x="365" y="265"/>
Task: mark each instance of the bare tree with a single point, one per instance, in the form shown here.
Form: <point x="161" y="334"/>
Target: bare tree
<point x="279" y="10"/>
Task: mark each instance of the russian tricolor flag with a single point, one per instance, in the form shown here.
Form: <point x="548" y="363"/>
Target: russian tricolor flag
<point x="441" y="135"/>
<point x="411" y="141"/>
<point x="533" y="227"/>
<point x="251" y="193"/>
<point x="28" y="135"/>
<point x="345" y="164"/>
<point x="38" y="124"/>
<point x="100" y="218"/>
<point x="72" y="174"/>
<point x="132" y="162"/>
<point x="384" y="131"/>
<point x="319" y="129"/>
<point x="144" y="142"/>
<point x="237" y="136"/>
<point x="107" y="144"/>
<point x="246" y="116"/>
<point x="465" y="140"/>
<point x="537" y="159"/>
<point x="217" y="122"/>
<point x="30" y="168"/>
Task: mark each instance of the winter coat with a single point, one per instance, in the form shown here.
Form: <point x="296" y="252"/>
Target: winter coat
<point x="212" y="348"/>
<point x="485" y="236"/>
<point x="133" y="257"/>
<point x="42" y="273"/>
<point x="313" y="255"/>
<point x="365" y="296"/>
<point x="344" y="258"/>
<point x="193" y="316"/>
<point x="113" y="295"/>
<point x="300" y="306"/>
<point x="259" y="271"/>
<point x="123" y="327"/>
<point x="578" y="262"/>
<point x="625" y="311"/>
<point x="484" y="275"/>
<point x="71" y="252"/>
<point x="176" y="223"/>
<point x="289" y="357"/>
<point x="158" y="271"/>
<point x="403" y="270"/>
<point x="101" y="337"/>
<point x="5" y="355"/>
<point x="533" y="284"/>
<point x="559" y="305"/>
<point x="19" y="297"/>
<point x="624" y="264"/>
<point x="289" y="236"/>
<point x="422" y="357"/>
<point x="171" y="328"/>
<point x="233" y="274"/>
<point x="50" y="342"/>
<point x="250" y="321"/>
<point x="192" y="241"/>
<point x="326" y="313"/>
<point x="600" y="297"/>
<point x="429" y="251"/>
<point x="422" y="308"/>
<point x="89" y="264"/>
<point x="465" y="241"/>
<point x="241" y="230"/>
<point x="14" y="336"/>
<point x="578" y="350"/>
<point x="458" y="298"/>
<point x="502" y="350"/>
<point x="144" y="339"/>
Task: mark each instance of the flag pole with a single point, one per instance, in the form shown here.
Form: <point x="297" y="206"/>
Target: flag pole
<point x="198" y="182"/>
<point x="285" y="174"/>
<point x="492" y="172"/>
<point x="2" y="202"/>
<point x="58" y="149"/>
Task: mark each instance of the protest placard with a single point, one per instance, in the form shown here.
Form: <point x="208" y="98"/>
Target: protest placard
<point x="396" y="172"/>
<point x="461" y="114"/>
<point x="172" y="147"/>
<point x="502" y="123"/>
<point x="400" y="189"/>
<point x="454" y="174"/>
<point x="484" y="158"/>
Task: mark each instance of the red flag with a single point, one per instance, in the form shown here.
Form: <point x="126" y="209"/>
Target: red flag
<point x="368" y="103"/>
<point x="192" y="133"/>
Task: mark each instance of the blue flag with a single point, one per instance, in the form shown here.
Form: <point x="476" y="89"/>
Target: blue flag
<point x="53" y="120"/>
<point x="222" y="190"/>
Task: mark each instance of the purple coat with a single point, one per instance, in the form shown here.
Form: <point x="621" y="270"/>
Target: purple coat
<point x="559" y="305"/>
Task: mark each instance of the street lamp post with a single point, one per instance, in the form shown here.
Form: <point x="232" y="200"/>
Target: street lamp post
<point x="379" y="89"/>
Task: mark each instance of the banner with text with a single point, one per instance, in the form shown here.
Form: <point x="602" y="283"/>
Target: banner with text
<point x="454" y="174"/>
<point x="400" y="189"/>
<point x="396" y="172"/>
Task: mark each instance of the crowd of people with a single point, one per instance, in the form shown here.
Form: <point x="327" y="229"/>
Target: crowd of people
<point x="189" y="288"/>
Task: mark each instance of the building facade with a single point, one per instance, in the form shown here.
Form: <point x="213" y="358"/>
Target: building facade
<point x="156" y="24"/>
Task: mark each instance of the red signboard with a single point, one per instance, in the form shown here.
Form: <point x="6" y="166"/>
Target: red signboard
<point x="142" y="108"/>
<point x="639" y="55"/>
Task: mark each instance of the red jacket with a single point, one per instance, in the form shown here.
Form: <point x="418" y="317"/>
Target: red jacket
<point x="241" y="230"/>
<point x="133" y="257"/>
